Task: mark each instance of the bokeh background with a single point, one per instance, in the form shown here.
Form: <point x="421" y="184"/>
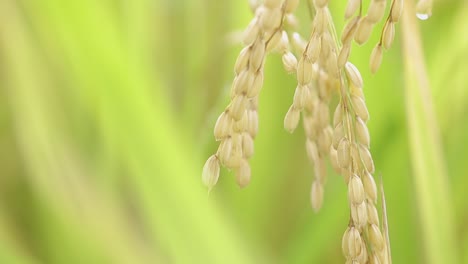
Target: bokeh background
<point x="106" y="116"/>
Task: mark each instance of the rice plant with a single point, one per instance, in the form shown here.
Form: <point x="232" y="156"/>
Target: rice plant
<point x="110" y="111"/>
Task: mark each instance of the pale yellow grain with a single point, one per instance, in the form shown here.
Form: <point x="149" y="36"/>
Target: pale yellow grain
<point x="251" y="32"/>
<point x="291" y="6"/>
<point x="242" y="60"/>
<point x="369" y="186"/>
<point x="343" y="152"/>
<point x="360" y="108"/>
<point x="247" y="145"/>
<point x="291" y="119"/>
<point x="257" y="85"/>
<point x="351" y="8"/>
<point x="376" y="58"/>
<point x="388" y="35"/>
<point x="375" y="237"/>
<point x="210" y="174"/>
<point x="243" y="173"/>
<point x="397" y="9"/>
<point x="223" y="126"/>
<point x="376" y="10"/>
<point x="348" y="32"/>
<point x="353" y="74"/>
<point x="356" y="193"/>
<point x="363" y="31"/>
<point x="362" y="133"/>
<point x="289" y="62"/>
<point x="355" y="244"/>
<point x="316" y="196"/>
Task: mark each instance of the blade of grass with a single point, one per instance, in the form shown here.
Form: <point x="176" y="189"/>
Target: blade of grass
<point x="54" y="172"/>
<point x="430" y="179"/>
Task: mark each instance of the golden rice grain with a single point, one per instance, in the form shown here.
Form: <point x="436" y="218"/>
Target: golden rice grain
<point x="316" y="196"/>
<point x="242" y="60"/>
<point x="252" y="127"/>
<point x="291" y="119"/>
<point x="355" y="245"/>
<point x="298" y="43"/>
<point x="223" y="126"/>
<point x="291" y="5"/>
<point x="338" y="135"/>
<point x="310" y="126"/>
<point x="359" y="214"/>
<point x="343" y="152"/>
<point x="256" y="85"/>
<point x="274" y="41"/>
<point x="289" y="62"/>
<point x="237" y="107"/>
<point x="376" y="237"/>
<point x="210" y="173"/>
<point x="242" y="83"/>
<point x="348" y="31"/>
<point x="243" y="173"/>
<point x="373" y="259"/>
<point x="360" y="108"/>
<point x="397" y="9"/>
<point x="272" y="3"/>
<point x="353" y="74"/>
<point x="247" y="145"/>
<point x="366" y="158"/>
<point x="320" y="170"/>
<point x="283" y="46"/>
<point x="345" y="242"/>
<point x="224" y="150"/>
<point x="363" y="257"/>
<point x="324" y="139"/>
<point x="312" y="150"/>
<point x="356" y="193"/>
<point x="362" y="133"/>
<point x="320" y="21"/>
<point x="351" y="8"/>
<point x="257" y="55"/>
<point x="304" y="71"/>
<point x="376" y="10"/>
<point x="334" y="160"/>
<point x="369" y="186"/>
<point x="344" y="55"/>
<point x="338" y="115"/>
<point x="271" y="18"/>
<point x="314" y="48"/>
<point x="372" y="214"/>
<point x="388" y="35"/>
<point x="326" y="46"/>
<point x="376" y="58"/>
<point x="323" y="114"/>
<point x="251" y="32"/>
<point x="301" y="96"/>
<point x="363" y="31"/>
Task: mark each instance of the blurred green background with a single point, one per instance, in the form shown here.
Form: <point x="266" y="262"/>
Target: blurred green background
<point x="106" y="116"/>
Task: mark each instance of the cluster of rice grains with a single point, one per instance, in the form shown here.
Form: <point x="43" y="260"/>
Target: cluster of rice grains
<point x="322" y="70"/>
<point x="237" y="126"/>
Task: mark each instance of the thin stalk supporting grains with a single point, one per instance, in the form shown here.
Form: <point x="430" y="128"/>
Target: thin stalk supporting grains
<point x="337" y="133"/>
